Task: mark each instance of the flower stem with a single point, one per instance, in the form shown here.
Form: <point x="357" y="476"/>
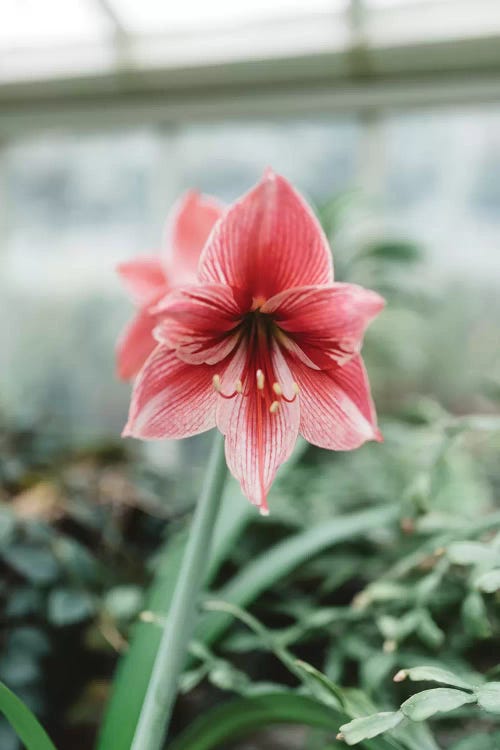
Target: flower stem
<point x="162" y="689"/>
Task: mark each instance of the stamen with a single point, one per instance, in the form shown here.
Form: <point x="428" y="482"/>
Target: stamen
<point x="277" y="389"/>
<point x="238" y="387"/>
<point x="260" y="380"/>
<point x="295" y="389"/>
<point x="274" y="407"/>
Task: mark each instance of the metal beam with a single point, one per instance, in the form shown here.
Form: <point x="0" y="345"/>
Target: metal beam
<point x="96" y="113"/>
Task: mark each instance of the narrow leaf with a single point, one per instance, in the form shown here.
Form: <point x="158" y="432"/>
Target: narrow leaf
<point x="433" y="674"/>
<point x="277" y="562"/>
<point x="238" y="718"/>
<point x="471" y="553"/>
<point x="488" y="697"/>
<point x="489" y="582"/>
<point x="25" y="724"/>
<point x="429" y="702"/>
<point x="370" y="726"/>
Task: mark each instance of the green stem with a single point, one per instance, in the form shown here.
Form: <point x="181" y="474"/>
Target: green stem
<point x="162" y="689"/>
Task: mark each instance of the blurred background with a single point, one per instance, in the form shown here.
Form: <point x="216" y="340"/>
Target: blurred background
<point x="384" y="113"/>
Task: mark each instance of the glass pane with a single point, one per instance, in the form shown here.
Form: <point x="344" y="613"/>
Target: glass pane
<point x="35" y="23"/>
<point x="153" y="16"/>
<point x="226" y="160"/>
<point x="76" y="207"/>
<point x="443" y="189"/>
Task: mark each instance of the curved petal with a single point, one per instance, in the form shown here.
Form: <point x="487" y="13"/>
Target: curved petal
<point x="200" y="323"/>
<point x="144" y="278"/>
<point x="171" y="399"/>
<point x="336" y="407"/>
<point x="328" y="322"/>
<point x="257" y="442"/>
<point x="268" y="241"/>
<point x="188" y="227"/>
<point x="135" y="345"/>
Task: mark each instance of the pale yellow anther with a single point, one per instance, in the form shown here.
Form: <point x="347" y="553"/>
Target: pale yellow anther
<point x="295" y="388"/>
<point x="274" y="407"/>
<point x="238" y="386"/>
<point x="277" y="389"/>
<point x="216" y="382"/>
<point x="260" y="380"/>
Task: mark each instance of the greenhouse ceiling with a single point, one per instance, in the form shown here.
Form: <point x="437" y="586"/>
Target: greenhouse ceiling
<point x="165" y="60"/>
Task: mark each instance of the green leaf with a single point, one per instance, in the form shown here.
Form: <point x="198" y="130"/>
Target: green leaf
<point x="37" y="564"/>
<point x="67" y="606"/>
<point x="428" y="631"/>
<point x="478" y="741"/>
<point x="7" y="524"/>
<point x="239" y="718"/>
<point x="429" y="702"/>
<point x="488" y="697"/>
<point x="399" y="251"/>
<point x="471" y="553"/>
<point x="489" y="582"/>
<point x="25" y="724"/>
<point x="415" y="736"/>
<point x="475" y="616"/>
<point x="123" y="602"/>
<point x="274" y="564"/>
<point x="330" y="693"/>
<point x="134" y="669"/>
<point x="433" y="674"/>
<point x="370" y="726"/>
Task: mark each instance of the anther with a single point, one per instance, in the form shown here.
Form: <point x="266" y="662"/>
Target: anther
<point x="216" y="382"/>
<point x="260" y="380"/>
<point x="295" y="388"/>
<point x="274" y="407"/>
<point x="238" y="386"/>
<point x="277" y="389"/>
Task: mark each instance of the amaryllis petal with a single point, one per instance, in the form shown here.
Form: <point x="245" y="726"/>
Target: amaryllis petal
<point x="187" y="230"/>
<point x="171" y="399"/>
<point x="257" y="441"/>
<point x="135" y="345"/>
<point x="268" y="241"/>
<point x="144" y="278"/>
<point x="199" y="323"/>
<point x="327" y="323"/>
<point x="336" y="408"/>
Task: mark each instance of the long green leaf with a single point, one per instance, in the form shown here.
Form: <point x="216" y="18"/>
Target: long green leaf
<point x="26" y="725"/>
<point x="134" y="669"/>
<point x="274" y="564"/>
<point x="240" y="717"/>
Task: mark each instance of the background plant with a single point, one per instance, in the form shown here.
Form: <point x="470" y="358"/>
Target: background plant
<point x="371" y="562"/>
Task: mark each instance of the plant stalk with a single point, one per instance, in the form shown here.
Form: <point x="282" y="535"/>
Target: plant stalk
<point x="162" y="689"/>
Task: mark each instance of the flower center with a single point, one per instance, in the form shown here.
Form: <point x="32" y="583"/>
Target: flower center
<point x="257" y="378"/>
<point x="259" y="336"/>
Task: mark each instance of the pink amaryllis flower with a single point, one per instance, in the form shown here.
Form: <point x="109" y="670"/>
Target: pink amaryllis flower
<point x="149" y="278"/>
<point x="265" y="346"/>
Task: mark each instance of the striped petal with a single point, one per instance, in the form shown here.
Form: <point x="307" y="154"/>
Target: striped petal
<point x="336" y="407"/>
<point x="327" y="323"/>
<point x="144" y="278"/>
<point x="268" y="241"/>
<point x="188" y="227"/>
<point x="171" y="399"/>
<point x="135" y="345"/>
<point x="199" y="322"/>
<point x="257" y="441"/>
